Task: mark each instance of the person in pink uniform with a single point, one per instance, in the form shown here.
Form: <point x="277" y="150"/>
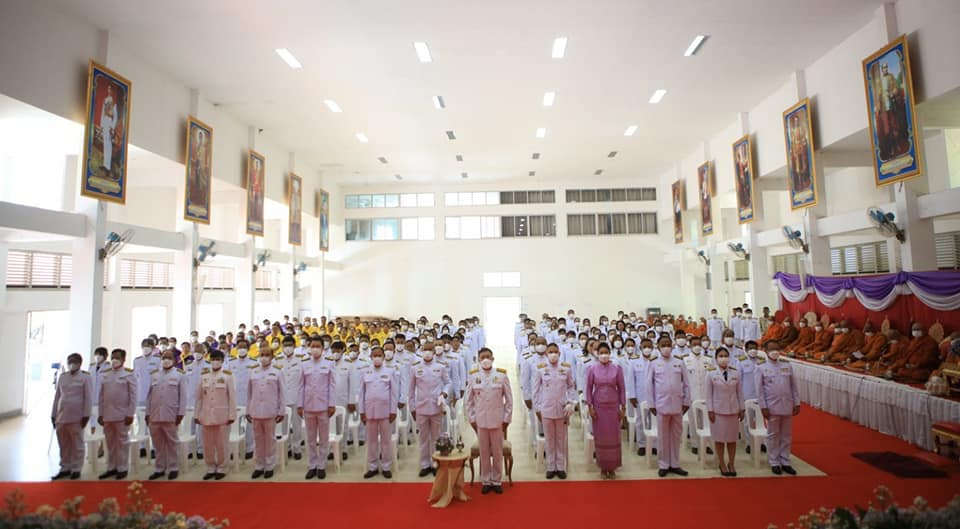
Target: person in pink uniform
<point x="429" y="385"/>
<point x="216" y="409"/>
<point x="554" y="396"/>
<point x="317" y="403"/>
<point x="118" y="405"/>
<point x="779" y="401"/>
<point x="166" y="405"/>
<point x="489" y="409"/>
<point x="265" y="409"/>
<point x="668" y="394"/>
<point x="378" y="404"/>
<point x="724" y="398"/>
<point x="72" y="405"/>
<point x="606" y="395"/>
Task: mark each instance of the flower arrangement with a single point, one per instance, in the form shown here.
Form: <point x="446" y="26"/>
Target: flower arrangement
<point x="885" y="514"/>
<point x="141" y="513"/>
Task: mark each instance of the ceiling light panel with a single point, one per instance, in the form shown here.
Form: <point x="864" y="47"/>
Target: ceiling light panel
<point x="631" y="130"/>
<point x="332" y="105"/>
<point x="423" y="52"/>
<point x="694" y="46"/>
<point x="361" y="137"/>
<point x="559" y="47"/>
<point x="288" y="58"/>
<point x="658" y="96"/>
<point x="549" y="98"/>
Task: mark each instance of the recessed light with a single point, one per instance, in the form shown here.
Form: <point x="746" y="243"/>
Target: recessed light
<point x="549" y="98"/>
<point x="439" y="102"/>
<point x="532" y="173"/>
<point x="559" y="47"/>
<point x="398" y="177"/>
<point x="362" y="137"/>
<point x="288" y="58"/>
<point x="423" y="52"/>
<point x="611" y="154"/>
<point x="658" y="96"/>
<point x="451" y="135"/>
<point x="463" y="175"/>
<point x="459" y="157"/>
<point x="541" y="132"/>
<point x="536" y="156"/>
<point x="598" y="172"/>
<point x="382" y="159"/>
<point x="332" y="105"/>
<point x="631" y="130"/>
<point x="695" y="45"/>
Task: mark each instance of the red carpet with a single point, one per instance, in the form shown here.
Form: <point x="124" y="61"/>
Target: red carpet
<point x="821" y="439"/>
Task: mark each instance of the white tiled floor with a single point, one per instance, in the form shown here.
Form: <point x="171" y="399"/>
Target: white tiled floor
<point x="24" y="456"/>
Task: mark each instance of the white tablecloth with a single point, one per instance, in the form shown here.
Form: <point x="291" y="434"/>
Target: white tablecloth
<point x="879" y="404"/>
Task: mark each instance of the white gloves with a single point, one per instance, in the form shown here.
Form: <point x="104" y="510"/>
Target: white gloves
<point x="568" y="409"/>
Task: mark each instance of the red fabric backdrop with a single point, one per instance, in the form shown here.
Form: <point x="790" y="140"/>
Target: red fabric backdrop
<point x="904" y="310"/>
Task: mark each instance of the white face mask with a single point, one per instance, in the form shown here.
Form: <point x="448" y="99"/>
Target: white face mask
<point x="377" y="361"/>
<point x="604" y="358"/>
<point x="697" y="349"/>
<point x="146" y="350"/>
<point x="486" y="364"/>
<point x="665" y="351"/>
<point x="752" y="353"/>
<point x="288" y="350"/>
<point x="773" y="355"/>
<point x="647" y="351"/>
<point x="242" y="352"/>
<point x="427" y="356"/>
<point x="570" y="340"/>
<point x="353" y="355"/>
<point x="540" y="348"/>
<point x="326" y="344"/>
<point x="553" y="357"/>
<point x="316" y="352"/>
<point x="364" y="346"/>
<point x="630" y="349"/>
<point x="193" y="339"/>
<point x="216" y="364"/>
<point x="917" y="333"/>
<point x="388" y="354"/>
<point x="167" y="363"/>
<point x="658" y="328"/>
<point x="447" y="347"/>
<point x="818" y="328"/>
<point x="73" y="367"/>
<point x="618" y="345"/>
<point x="265" y="360"/>
<point x="583" y="343"/>
<point x="728" y="341"/>
<point x="116" y="363"/>
<point x="723" y="361"/>
<point x="681" y="342"/>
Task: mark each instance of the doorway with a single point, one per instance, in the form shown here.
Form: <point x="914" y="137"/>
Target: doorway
<point x="499" y="317"/>
<point x="46" y="346"/>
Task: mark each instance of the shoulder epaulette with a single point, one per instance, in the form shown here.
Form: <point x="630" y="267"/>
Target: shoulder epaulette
<point x="415" y="362"/>
<point x="541" y="365"/>
<point x="564" y="364"/>
<point x="731" y="368"/>
<point x="633" y="357"/>
<point x="228" y="372"/>
<point x="350" y="360"/>
<point x="761" y="361"/>
<point x="783" y="360"/>
<point x="154" y="371"/>
<point x="711" y="368"/>
<point x="85" y="372"/>
<point x="307" y="359"/>
<point x="502" y="370"/>
<point x="204" y="371"/>
<point x="472" y="371"/>
<point x="180" y="370"/>
<point x="128" y="369"/>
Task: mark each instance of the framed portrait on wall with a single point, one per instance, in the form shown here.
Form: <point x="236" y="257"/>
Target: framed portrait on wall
<point x="801" y="166"/>
<point x="678" y="207"/>
<point x="106" y="135"/>
<point x="199" y="163"/>
<point x="323" y="214"/>
<point x="894" y="137"/>
<point x="743" y="176"/>
<point x="295" y="203"/>
<point x="256" y="171"/>
<point x="704" y="191"/>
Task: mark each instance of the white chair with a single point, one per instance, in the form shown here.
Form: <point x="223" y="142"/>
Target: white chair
<point x="403" y="418"/>
<point x="588" y="442"/>
<point x="459" y="418"/>
<point x="756" y="426"/>
<point x="238" y="437"/>
<point x="335" y="437"/>
<point x="93" y="438"/>
<point x="539" y="451"/>
<point x="631" y="425"/>
<point x="139" y="433"/>
<point x="353" y="426"/>
<point x="282" y="431"/>
<point x="685" y="436"/>
<point x="702" y="427"/>
<point x="394" y="445"/>
<point x="187" y="443"/>
<point x="649" y="425"/>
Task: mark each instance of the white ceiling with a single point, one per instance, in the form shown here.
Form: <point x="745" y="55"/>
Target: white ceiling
<point x="492" y="64"/>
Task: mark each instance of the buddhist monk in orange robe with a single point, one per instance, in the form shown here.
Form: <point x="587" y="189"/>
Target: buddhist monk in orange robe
<point x="889" y="353"/>
<point x="804" y="338"/>
<point x="871" y="350"/>
<point x="821" y="341"/>
<point x="854" y="344"/>
<point x="921" y="357"/>
<point x="839" y="340"/>
<point x="775" y="331"/>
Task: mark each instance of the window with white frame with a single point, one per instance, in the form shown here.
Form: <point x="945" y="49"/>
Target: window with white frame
<point x="528" y="226"/>
<point x="217" y="277"/>
<point x="630" y="194"/>
<point x="612" y="224"/>
<point x="141" y="274"/>
<point x="472" y="198"/>
<point x="471" y="227"/>
<point x="417" y="228"/>
<point x="788" y="263"/>
<point x="501" y="279"/>
<point x="27" y="269"/>
<point x="389" y="200"/>
<point x="867" y="258"/>
<point x="948" y="250"/>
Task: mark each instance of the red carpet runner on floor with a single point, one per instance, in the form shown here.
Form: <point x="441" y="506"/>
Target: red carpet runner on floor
<point x="823" y="440"/>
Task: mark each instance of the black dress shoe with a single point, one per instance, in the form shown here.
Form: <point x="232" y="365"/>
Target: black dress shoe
<point x="694" y="449"/>
<point x="107" y="474"/>
<point x="641" y="451"/>
<point x="208" y="476"/>
<point x="143" y="452"/>
<point x="256" y="474"/>
<point x="562" y="474"/>
<point x="748" y="449"/>
<point x="329" y="457"/>
<point x="434" y="471"/>
<point x="498" y="489"/>
<point x="362" y="443"/>
<point x="654" y="451"/>
<point x="486" y="489"/>
<point x="662" y="472"/>
<point x="321" y="474"/>
<point x="710" y="450"/>
<point x="297" y="456"/>
<point x="219" y="475"/>
<point x="679" y="471"/>
<point x="173" y="475"/>
<point x="60" y="475"/>
<point x="370" y="473"/>
<point x="789" y="470"/>
<point x="763" y="448"/>
<point x="349" y="443"/>
<point x="74" y="476"/>
<point x="289" y="453"/>
<point x="249" y="455"/>
<point x="312" y="473"/>
<point x="156" y="475"/>
<point x="121" y="475"/>
<point x="776" y="470"/>
<point x="268" y="474"/>
<point x="425" y="472"/>
<point x="551" y="474"/>
<point x="733" y="474"/>
<point x="190" y="456"/>
<point x="153" y="454"/>
<point x="344" y="456"/>
<point x="199" y="457"/>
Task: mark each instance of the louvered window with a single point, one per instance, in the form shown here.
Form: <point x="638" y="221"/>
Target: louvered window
<point x="39" y="269"/>
<point x="948" y="250"/>
<point x="216" y="278"/>
<point x="140" y="274"/>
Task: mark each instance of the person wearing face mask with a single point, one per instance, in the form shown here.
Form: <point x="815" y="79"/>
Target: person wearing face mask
<point x="714" y="327"/>
<point x="489" y="409"/>
<point x="428" y="383"/>
<point x="166" y="406"/>
<point x="528" y="371"/>
<point x="682" y="348"/>
<point x="266" y="398"/>
<point x="853" y="343"/>
<point x="735" y="325"/>
<point x="823" y="337"/>
<point x="920" y="357"/>
<point x="805" y="336"/>
<point x="749" y="327"/>
<point x="142" y="367"/>
<point x="636" y="379"/>
<point x="97" y="367"/>
<point x="586" y="359"/>
<point x="290" y="370"/>
<point x="725" y="410"/>
<point x="554" y="397"/>
<point x="72" y="406"/>
<point x="698" y="366"/>
<point x="840" y="342"/>
<point x="605" y="393"/>
<point x="779" y="401"/>
<point x="378" y="404"/>
<point x="241" y="367"/>
<point x="668" y="393"/>
<point x="118" y="405"/>
<point x="872" y="348"/>
<point x="403" y="372"/>
<point x="317" y="392"/>
<point x="215" y="411"/>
